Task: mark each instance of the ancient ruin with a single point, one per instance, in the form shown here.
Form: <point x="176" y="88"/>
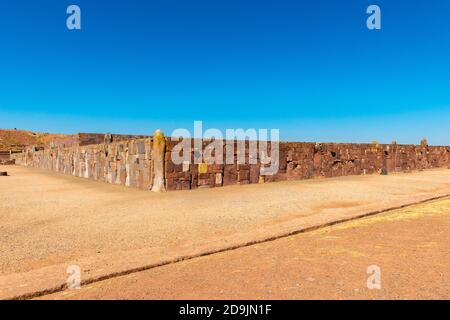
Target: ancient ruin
<point x="145" y="162"/>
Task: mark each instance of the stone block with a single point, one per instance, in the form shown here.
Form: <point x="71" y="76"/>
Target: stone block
<point x="202" y="168"/>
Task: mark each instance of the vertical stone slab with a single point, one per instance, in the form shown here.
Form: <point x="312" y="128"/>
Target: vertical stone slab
<point x="158" y="153"/>
<point x="386" y="162"/>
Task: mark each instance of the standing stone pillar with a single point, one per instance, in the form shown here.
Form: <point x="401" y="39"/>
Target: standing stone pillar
<point x="107" y="138"/>
<point x="158" y="153"/>
<point x="386" y="162"/>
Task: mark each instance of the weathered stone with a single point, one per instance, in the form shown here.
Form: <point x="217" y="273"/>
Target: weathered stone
<point x="158" y="150"/>
<point x="130" y="162"/>
<point x="218" y="179"/>
<point x="186" y="166"/>
<point x="202" y="168"/>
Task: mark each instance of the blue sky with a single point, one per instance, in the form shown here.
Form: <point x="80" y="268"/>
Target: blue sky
<point x="310" y="68"/>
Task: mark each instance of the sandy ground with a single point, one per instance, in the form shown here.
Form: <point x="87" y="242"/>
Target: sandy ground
<point x="49" y="221"/>
<point x="410" y="246"/>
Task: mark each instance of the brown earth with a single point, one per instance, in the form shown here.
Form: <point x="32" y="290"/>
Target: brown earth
<point x="410" y="246"/>
<point x="49" y="221"/>
<point x="17" y="140"/>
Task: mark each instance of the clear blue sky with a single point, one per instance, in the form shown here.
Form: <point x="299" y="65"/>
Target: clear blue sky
<point x="310" y="68"/>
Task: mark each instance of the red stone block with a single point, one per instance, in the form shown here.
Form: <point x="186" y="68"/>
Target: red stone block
<point x="243" y="175"/>
<point x="254" y="173"/>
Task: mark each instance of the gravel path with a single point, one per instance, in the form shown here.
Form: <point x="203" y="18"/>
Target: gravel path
<point x="410" y="247"/>
<point x="48" y="221"/>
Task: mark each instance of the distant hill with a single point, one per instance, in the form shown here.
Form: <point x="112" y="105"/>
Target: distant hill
<point x="18" y="140"/>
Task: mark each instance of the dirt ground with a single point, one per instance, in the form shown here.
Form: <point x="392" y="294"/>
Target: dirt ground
<point x="410" y="246"/>
<point x="49" y="221"/>
<point x="17" y="140"/>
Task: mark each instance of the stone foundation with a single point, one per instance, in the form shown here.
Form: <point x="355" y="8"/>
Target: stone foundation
<point x="130" y="162"/>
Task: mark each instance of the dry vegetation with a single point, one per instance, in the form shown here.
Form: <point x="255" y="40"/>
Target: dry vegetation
<point x="17" y="140"/>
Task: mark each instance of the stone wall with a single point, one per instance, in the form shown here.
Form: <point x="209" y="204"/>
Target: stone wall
<point x="127" y="163"/>
<point x="84" y="139"/>
<point x="131" y="162"/>
<point x="5" y="158"/>
<point x="299" y="160"/>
